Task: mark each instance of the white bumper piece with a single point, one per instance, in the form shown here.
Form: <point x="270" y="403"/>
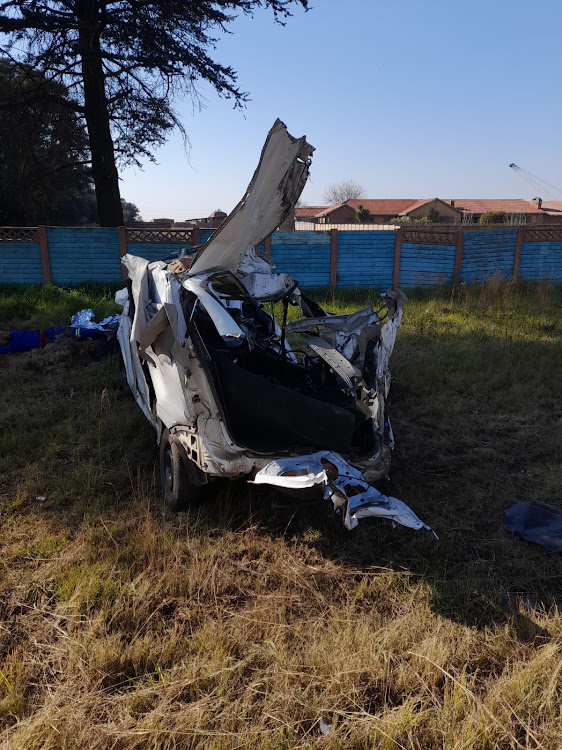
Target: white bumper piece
<point x="342" y="484"/>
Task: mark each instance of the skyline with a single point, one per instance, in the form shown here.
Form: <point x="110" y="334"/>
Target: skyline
<point x="437" y="103"/>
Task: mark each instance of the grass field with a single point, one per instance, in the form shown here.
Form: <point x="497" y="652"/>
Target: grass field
<point x="250" y="626"/>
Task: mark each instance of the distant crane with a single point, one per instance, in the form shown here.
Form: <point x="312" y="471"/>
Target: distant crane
<point x="537" y="183"/>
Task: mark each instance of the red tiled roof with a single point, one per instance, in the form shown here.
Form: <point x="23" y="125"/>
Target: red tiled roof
<point x="383" y="206"/>
<point x="554" y="208"/>
<point x="397" y="206"/>
<point x="482" y="205"/>
<point x="470" y="205"/>
<point x="308" y="211"/>
<point x="417" y="204"/>
<point x="328" y="209"/>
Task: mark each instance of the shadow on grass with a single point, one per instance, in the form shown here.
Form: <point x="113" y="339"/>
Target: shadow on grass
<point x="474" y="579"/>
<point x="477" y="422"/>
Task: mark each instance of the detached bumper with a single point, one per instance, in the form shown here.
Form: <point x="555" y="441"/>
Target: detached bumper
<point x="342" y="484"/>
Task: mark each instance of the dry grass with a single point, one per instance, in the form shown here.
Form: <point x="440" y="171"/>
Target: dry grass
<point x="245" y="625"/>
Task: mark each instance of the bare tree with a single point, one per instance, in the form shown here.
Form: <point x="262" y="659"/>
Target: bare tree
<point x="340" y="192"/>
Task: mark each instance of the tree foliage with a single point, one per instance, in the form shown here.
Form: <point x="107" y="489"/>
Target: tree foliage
<point x="399" y="220"/>
<point x="340" y="192"/>
<point x="131" y="212"/>
<point x="363" y="214"/>
<point x="493" y="217"/>
<point x="123" y="62"/>
<point x="43" y="152"/>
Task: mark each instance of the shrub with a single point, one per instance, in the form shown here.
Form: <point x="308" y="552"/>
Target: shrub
<point x="493" y="217"/>
<point x="363" y="214"/>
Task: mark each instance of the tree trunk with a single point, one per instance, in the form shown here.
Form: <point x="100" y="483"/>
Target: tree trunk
<point x="104" y="171"/>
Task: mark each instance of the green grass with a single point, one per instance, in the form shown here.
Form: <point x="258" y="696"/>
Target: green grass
<point x="39" y="306"/>
<point x="243" y="625"/>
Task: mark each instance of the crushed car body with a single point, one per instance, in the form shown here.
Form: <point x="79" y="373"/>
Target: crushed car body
<point x="231" y="392"/>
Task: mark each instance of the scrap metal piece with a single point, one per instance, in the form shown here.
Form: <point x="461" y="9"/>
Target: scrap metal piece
<point x="342" y="483"/>
<point x="258" y="277"/>
<point x="226" y="326"/>
<point x="276" y="186"/>
<point x="339" y="364"/>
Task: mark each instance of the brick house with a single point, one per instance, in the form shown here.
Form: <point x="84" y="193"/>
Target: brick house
<point x="450" y="211"/>
<point x="209" y="222"/>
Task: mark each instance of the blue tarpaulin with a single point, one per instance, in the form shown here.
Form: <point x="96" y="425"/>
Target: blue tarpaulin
<point x="82" y="325"/>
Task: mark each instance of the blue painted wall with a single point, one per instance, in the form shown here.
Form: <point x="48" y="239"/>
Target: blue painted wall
<point x="20" y="263"/>
<point x="304" y="255"/>
<point x="541" y="260"/>
<point x="365" y="258"/>
<point x="487" y="253"/>
<point x="78" y="254"/>
<point x="204" y="235"/>
<point x="426" y="265"/>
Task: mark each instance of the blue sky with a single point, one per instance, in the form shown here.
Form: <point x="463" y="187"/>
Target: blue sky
<point x="410" y="99"/>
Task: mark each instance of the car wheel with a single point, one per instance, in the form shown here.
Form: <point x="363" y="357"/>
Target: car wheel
<point x="181" y="492"/>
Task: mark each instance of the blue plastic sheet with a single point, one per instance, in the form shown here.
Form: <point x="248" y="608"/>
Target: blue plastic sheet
<point x="536" y="522"/>
<point x="22" y="341"/>
<point x="25" y="341"/>
<point x="82" y="325"/>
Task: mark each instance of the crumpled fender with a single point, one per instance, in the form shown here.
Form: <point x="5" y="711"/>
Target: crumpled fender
<point x="342" y="484"/>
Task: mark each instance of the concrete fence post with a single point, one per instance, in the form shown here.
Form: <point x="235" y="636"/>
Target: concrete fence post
<point x="267" y="248"/>
<point x="398" y="235"/>
<point x="517" y="253"/>
<point x="122" y="234"/>
<point x="333" y="258"/>
<point x="458" y="256"/>
<point x="44" y="250"/>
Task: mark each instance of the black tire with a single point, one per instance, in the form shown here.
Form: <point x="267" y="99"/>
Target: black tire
<point x="177" y="475"/>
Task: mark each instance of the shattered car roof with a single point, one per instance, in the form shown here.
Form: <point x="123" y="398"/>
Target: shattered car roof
<point x="274" y="189"/>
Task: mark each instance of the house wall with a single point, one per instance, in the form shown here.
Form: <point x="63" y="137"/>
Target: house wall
<point x="341" y="215"/>
<point x="447" y="212"/>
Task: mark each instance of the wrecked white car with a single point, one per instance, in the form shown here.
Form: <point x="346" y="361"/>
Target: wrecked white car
<point x="233" y="393"/>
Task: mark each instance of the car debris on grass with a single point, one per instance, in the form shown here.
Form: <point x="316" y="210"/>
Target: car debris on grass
<point x="82" y="326"/>
<point x="229" y="392"/>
